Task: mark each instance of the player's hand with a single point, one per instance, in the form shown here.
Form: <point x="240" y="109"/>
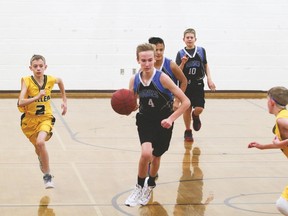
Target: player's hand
<point x="166" y="123"/>
<point x="41" y="93"/>
<point x="252" y="145"/>
<point x="211" y="85"/>
<point x="184" y="59"/>
<point x="276" y="140"/>
<point x="64" y="108"/>
<point x="255" y="145"/>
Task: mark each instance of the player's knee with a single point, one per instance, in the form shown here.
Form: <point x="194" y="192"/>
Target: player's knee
<point x="146" y="155"/>
<point x="199" y="109"/>
<point x="40" y="144"/>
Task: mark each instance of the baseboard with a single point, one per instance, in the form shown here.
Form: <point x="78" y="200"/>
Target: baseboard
<point x="220" y="94"/>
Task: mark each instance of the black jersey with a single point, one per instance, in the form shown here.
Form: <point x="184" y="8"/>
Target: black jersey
<point x="194" y="69"/>
<point x="154" y="99"/>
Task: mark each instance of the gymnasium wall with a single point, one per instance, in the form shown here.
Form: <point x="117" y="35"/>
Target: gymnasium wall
<point x="91" y="44"/>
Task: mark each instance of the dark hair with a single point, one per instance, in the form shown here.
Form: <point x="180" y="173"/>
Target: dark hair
<point x="156" y="40"/>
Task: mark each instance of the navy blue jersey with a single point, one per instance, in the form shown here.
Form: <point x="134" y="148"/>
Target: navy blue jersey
<point x="167" y="69"/>
<point x="154" y="99"/>
<point x="194" y="69"/>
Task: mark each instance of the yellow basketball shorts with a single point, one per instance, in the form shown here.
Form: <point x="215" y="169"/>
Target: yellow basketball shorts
<point x="31" y="126"/>
<point x="285" y="193"/>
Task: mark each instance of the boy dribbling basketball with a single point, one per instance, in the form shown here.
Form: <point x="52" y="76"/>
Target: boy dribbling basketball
<point x="154" y="120"/>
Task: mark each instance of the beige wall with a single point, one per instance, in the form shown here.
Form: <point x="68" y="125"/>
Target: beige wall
<point x="88" y="42"/>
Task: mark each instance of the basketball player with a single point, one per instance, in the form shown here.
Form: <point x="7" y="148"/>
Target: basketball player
<point x="37" y="119"/>
<point x="193" y="62"/>
<point x="276" y="102"/>
<point x="168" y="66"/>
<point x="154" y="120"/>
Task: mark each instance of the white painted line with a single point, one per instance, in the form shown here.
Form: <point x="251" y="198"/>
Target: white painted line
<point x="86" y="189"/>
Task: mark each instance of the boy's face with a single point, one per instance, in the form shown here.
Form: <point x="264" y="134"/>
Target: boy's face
<point x="146" y="59"/>
<point x="159" y="52"/>
<point x="38" y="67"/>
<point x="189" y="39"/>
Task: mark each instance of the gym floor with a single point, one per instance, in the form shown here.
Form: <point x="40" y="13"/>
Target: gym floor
<point x="94" y="155"/>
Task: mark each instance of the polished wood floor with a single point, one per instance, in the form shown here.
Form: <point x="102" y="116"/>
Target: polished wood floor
<point x="94" y="156"/>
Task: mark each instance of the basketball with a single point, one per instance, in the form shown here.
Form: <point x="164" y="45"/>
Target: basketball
<point x="123" y="101"/>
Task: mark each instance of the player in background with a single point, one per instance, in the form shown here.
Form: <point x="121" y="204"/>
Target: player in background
<point x="193" y="62"/>
<point x="37" y="119"/>
<point x="154" y="119"/>
<point x="277" y="101"/>
<point x="168" y="66"/>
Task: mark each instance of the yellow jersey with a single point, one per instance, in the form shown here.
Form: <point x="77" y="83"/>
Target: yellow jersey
<point x="282" y="114"/>
<point x="42" y="106"/>
<point x="285" y="193"/>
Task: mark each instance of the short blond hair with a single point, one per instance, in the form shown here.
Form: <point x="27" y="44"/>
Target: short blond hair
<point x="144" y="47"/>
<point x="279" y="94"/>
<point x="37" y="57"/>
<point x="190" y="30"/>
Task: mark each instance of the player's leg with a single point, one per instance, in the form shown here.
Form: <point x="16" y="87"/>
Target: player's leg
<point x="196" y="118"/>
<point x="150" y="184"/>
<point x="38" y="154"/>
<point x="198" y="104"/>
<point x="197" y="111"/>
<point x="145" y="158"/>
<point x="187" y="122"/>
<point x="43" y="155"/>
<point x="144" y="129"/>
<point x="42" y="151"/>
<point x="155" y="165"/>
<point x="160" y="146"/>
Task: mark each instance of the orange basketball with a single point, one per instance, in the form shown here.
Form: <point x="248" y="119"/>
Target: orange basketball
<point x="123" y="101"/>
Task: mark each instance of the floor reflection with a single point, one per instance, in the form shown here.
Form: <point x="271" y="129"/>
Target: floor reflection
<point x="153" y="208"/>
<point x="190" y="189"/>
<point x="43" y="209"/>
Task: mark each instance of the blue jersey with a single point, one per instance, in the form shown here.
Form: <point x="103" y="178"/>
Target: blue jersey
<point x="154" y="99"/>
<point x="194" y="69"/>
<point x="167" y="69"/>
